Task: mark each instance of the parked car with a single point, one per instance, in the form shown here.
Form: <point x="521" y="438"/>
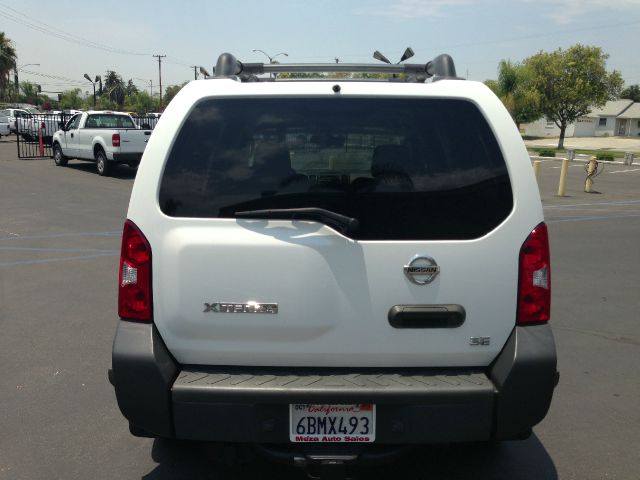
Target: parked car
<point x="146" y="121"/>
<point x="5" y="128"/>
<point x="19" y="120"/>
<point x="104" y="137"/>
<point x="42" y="125"/>
<point x="334" y="270"/>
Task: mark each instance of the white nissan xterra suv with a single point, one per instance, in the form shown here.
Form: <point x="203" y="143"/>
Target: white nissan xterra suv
<point x="331" y="270"/>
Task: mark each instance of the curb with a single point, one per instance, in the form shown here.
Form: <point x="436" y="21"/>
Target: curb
<point x="585" y="160"/>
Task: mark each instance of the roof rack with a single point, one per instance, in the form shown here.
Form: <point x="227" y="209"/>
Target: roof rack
<point x="440" y="68"/>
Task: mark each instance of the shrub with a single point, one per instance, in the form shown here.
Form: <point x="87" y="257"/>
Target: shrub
<point x="547" y="153"/>
<point x="605" y="156"/>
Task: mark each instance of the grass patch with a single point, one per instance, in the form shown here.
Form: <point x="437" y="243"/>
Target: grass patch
<point x="547" y="152"/>
<point x="607" y="156"/>
<point x="561" y="152"/>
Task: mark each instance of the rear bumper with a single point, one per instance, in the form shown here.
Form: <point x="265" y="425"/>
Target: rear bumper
<point x="129" y="158"/>
<point x="241" y="404"/>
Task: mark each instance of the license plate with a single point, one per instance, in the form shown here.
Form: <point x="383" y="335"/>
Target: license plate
<point x="352" y="423"/>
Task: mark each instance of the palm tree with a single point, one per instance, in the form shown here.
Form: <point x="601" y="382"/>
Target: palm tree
<point x="115" y="88"/>
<point x="514" y="89"/>
<point x="7" y="63"/>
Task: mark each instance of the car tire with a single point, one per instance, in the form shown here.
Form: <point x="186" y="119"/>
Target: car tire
<point x="102" y="164"/>
<point x="58" y="157"/>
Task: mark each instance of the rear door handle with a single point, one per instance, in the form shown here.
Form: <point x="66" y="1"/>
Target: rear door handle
<point x="427" y="316"/>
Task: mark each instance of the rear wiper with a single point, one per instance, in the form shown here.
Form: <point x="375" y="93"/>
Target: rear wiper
<point x="342" y="223"/>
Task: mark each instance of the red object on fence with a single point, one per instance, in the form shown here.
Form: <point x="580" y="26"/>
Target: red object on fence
<point x="41" y="138"/>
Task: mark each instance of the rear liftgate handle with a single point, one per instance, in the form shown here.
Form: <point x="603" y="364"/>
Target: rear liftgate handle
<point x="426" y="316"/>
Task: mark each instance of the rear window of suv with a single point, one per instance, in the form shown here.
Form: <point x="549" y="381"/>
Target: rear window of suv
<point x="405" y="168"/>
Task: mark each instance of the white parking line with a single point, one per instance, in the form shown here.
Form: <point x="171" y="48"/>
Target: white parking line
<point x="625" y="171"/>
<point x="569" y="205"/>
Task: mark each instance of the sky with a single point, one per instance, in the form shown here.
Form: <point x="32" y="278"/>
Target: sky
<point x="70" y="38"/>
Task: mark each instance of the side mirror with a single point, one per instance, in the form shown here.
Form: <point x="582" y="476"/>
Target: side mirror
<point x="61" y="126"/>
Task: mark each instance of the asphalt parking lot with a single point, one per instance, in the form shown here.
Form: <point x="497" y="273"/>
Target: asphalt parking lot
<point x="59" y="250"/>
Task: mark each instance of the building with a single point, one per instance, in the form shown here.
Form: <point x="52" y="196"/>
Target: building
<point x="616" y="118"/>
<point x="607" y="118"/>
<point x="629" y="121"/>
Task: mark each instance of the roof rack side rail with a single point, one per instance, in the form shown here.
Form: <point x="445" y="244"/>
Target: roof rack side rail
<point x="441" y="67"/>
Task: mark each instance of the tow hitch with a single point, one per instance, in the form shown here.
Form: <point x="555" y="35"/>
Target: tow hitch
<point x="321" y="467"/>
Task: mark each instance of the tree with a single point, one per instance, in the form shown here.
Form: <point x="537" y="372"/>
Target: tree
<point x="141" y="103"/>
<point x="71" y="99"/>
<point x="115" y="88"/>
<point x="493" y="85"/>
<point x="514" y="88"/>
<point x="131" y="88"/>
<point x="171" y="92"/>
<point x="29" y="93"/>
<point x="7" y="64"/>
<point x="571" y="83"/>
<point x="632" y="92"/>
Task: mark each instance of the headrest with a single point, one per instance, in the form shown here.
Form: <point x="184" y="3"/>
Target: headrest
<point x="272" y="159"/>
<point x="389" y="158"/>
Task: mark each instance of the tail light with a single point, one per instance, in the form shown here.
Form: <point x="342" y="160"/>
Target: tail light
<point x="534" y="282"/>
<point x="115" y="139"/>
<point x="134" y="288"/>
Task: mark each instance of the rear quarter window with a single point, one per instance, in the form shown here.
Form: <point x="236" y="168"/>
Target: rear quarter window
<point x="406" y="168"/>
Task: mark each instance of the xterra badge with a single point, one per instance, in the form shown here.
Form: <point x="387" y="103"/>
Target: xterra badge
<point x="249" y="307"/>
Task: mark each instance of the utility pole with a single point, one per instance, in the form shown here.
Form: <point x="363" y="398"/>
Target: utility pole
<point x="195" y="71"/>
<point x="160" y="57"/>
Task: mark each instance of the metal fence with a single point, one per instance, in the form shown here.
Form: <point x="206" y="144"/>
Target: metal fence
<point x="34" y="134"/>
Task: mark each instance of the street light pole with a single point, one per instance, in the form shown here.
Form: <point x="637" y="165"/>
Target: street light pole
<point x="150" y="84"/>
<point x="94" y="88"/>
<point x="17" y="68"/>
<point x="271" y="59"/>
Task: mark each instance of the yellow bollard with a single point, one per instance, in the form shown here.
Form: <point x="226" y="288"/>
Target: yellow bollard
<point x="563" y="177"/>
<point x="591" y="170"/>
<point x="536" y="168"/>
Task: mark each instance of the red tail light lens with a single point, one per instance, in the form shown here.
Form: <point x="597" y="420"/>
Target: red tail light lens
<point x="115" y="139"/>
<point x="134" y="288"/>
<point x="534" y="283"/>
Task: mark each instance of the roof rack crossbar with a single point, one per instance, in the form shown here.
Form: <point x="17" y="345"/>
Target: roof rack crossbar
<point x="258" y="68"/>
<point x="440" y="67"/>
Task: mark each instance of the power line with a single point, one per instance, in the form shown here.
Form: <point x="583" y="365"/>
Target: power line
<point x="46" y="75"/>
<point x="42" y="27"/>
<point x="59" y="33"/>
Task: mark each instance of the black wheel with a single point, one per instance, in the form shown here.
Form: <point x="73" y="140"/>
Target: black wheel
<point x="102" y="164"/>
<point x="58" y="157"/>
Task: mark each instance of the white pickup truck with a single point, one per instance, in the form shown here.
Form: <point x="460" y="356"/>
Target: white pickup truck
<point x="104" y="137"/>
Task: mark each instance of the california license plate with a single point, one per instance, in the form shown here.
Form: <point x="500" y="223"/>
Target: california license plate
<point x="332" y="423"/>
